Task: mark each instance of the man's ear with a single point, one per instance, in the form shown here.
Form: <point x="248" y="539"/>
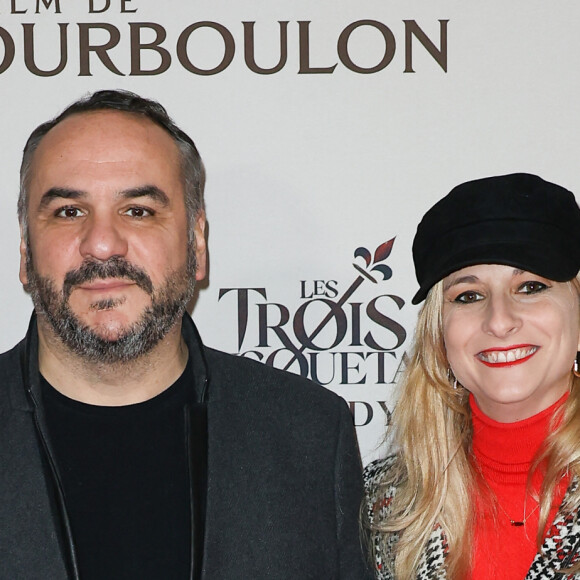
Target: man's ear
<point x="23" y="274"/>
<point x="200" y="245"/>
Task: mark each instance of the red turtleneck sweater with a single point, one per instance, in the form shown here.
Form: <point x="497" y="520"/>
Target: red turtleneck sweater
<point x="504" y="453"/>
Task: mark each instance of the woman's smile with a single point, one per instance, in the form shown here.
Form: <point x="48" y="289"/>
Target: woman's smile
<point x="507" y="356"/>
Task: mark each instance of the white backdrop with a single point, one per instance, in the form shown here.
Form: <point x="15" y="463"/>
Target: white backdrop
<point x="307" y="165"/>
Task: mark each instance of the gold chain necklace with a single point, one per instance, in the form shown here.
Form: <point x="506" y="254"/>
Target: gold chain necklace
<point x="515" y="523"/>
<point x="518" y="523"/>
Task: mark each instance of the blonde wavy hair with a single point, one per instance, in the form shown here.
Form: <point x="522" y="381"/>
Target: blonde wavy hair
<point x="433" y="473"/>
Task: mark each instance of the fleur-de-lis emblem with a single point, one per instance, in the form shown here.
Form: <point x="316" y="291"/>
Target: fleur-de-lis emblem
<point x="381" y="254"/>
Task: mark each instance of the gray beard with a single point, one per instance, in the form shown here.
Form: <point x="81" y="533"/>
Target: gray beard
<point x="168" y="303"/>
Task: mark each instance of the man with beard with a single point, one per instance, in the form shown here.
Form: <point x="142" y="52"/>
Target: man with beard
<point x="128" y="450"/>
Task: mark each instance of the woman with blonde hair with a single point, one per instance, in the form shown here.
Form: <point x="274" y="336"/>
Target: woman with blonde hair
<point x="484" y="479"/>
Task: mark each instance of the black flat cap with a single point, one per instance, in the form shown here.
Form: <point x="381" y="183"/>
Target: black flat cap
<point x="518" y="220"/>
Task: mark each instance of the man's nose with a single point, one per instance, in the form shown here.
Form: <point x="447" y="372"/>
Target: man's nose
<point x="103" y="238"/>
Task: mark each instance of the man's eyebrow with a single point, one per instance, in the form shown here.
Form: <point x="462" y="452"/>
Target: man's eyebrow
<point x="151" y="191"/>
<point x="60" y="193"/>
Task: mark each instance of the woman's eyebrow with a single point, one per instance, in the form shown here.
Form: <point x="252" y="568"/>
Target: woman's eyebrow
<point x="460" y="280"/>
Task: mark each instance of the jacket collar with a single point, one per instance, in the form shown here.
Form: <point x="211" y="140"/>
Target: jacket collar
<point x="27" y="350"/>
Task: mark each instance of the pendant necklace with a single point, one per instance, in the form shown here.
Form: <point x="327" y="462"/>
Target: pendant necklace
<point x="522" y="522"/>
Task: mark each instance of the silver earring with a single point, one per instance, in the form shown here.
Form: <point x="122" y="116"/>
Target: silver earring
<point x="454" y="381"/>
<point x="575" y="367"/>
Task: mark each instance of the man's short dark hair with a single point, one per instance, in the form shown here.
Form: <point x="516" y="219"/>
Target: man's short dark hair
<point x="125" y="101"/>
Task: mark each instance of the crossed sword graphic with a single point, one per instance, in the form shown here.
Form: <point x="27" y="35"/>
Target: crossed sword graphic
<point x="381" y="253"/>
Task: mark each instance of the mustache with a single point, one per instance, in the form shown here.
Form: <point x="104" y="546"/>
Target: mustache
<point x="114" y="267"/>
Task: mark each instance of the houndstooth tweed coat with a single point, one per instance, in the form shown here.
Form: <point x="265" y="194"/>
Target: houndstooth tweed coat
<point x="561" y="547"/>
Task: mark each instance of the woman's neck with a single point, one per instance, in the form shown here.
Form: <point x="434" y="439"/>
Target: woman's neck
<point x="505" y="451"/>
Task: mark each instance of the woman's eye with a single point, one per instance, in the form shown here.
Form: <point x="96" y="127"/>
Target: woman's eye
<point x="532" y="287"/>
<point x="69" y="212"/>
<point x="138" y="212"/>
<point x="468" y="297"/>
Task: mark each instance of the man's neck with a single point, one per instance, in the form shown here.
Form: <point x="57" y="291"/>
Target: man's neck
<point x="111" y="384"/>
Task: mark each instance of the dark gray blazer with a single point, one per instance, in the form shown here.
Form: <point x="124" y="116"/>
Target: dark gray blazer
<point x="284" y="479"/>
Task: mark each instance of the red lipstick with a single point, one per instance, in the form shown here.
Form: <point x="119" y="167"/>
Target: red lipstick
<point x="507" y="356"/>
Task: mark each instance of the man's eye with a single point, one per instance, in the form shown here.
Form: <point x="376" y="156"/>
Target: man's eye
<point x="138" y="212"/>
<point x="468" y="297"/>
<point x="69" y="212"/>
<point x="532" y="287"/>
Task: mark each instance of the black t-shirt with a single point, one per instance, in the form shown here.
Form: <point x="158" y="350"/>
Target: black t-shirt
<point x="125" y="480"/>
